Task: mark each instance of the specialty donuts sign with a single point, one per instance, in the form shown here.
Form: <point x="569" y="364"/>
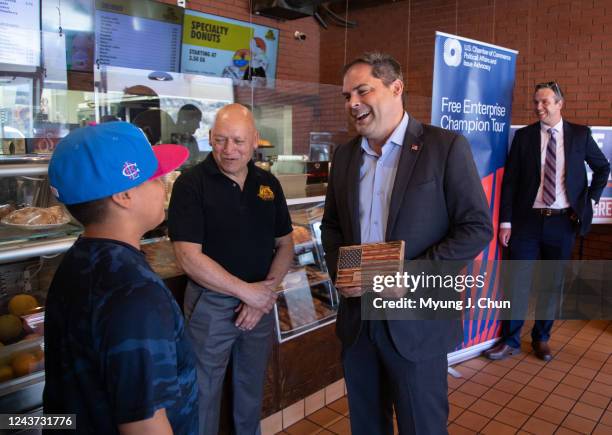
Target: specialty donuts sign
<point x="214" y="34"/>
<point x="224" y="47"/>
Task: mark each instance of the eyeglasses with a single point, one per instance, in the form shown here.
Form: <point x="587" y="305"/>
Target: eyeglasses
<point x="550" y="85"/>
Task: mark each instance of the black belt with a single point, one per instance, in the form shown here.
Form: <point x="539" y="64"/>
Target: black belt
<point x="552" y="211"/>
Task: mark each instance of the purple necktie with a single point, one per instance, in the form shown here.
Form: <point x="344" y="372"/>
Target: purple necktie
<point x="549" y="188"/>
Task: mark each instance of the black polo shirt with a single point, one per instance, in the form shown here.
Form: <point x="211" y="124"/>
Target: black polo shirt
<point x="236" y="228"/>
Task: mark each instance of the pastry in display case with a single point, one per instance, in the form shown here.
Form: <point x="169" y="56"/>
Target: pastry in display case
<point x="307" y="298"/>
<point x="23" y="288"/>
<point x="37" y="218"/>
<point x="6" y="209"/>
<point x="21" y="330"/>
<point x="28" y="211"/>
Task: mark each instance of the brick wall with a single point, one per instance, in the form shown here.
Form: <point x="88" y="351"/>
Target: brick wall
<point x="564" y="40"/>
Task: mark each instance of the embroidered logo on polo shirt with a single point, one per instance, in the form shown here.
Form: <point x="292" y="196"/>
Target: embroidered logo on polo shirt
<point x="265" y="193"/>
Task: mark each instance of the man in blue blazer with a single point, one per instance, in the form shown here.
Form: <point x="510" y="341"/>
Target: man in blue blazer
<point x="545" y="202"/>
<point x="398" y="180"/>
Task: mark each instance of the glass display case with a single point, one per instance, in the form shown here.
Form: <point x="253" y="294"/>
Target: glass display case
<point x="307" y="298"/>
<point x="34" y="231"/>
<point x="32" y="222"/>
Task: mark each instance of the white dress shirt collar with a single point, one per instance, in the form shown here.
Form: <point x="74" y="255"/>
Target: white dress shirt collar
<point x="397" y="137"/>
<point x="558" y="127"/>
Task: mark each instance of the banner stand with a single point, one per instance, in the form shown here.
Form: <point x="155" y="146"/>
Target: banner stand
<point x="473" y="83"/>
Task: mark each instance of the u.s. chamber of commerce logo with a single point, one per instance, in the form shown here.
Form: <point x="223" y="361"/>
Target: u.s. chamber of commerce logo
<point x="452" y="52"/>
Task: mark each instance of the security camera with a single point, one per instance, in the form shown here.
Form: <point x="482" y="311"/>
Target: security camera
<point x="300" y="36"/>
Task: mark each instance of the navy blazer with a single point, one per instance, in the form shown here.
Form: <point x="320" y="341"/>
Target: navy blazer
<point x="523" y="167"/>
<point x="438" y="207"/>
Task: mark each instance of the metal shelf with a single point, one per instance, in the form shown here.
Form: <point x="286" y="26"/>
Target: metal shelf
<point x="27" y="249"/>
<point x="305" y="200"/>
<point x="23" y="169"/>
<point x="27" y="164"/>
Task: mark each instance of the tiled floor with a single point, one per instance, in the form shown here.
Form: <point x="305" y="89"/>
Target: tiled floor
<point x="570" y="394"/>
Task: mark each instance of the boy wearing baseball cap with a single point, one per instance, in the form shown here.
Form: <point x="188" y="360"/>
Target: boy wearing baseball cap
<point x="116" y="353"/>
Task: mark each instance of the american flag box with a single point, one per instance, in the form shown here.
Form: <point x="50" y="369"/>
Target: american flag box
<point x="358" y="264"/>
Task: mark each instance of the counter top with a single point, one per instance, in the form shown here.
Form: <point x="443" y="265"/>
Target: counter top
<point x="160" y="256"/>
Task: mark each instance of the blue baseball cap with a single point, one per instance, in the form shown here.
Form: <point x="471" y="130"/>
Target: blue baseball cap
<point x="98" y="161"/>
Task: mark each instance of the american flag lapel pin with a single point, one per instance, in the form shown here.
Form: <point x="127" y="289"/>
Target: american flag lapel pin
<point x="414" y="147"/>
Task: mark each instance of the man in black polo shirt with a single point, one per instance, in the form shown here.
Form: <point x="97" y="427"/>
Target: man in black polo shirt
<point x="231" y="230"/>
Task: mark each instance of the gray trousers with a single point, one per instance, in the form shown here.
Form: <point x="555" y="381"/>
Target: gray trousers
<point x="210" y="321"/>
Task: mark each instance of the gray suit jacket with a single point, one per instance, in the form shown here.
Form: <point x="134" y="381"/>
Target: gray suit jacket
<point x="438" y="208"/>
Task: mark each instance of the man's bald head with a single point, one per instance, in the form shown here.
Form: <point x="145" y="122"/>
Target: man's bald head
<point x="234" y="138"/>
<point x="235" y="113"/>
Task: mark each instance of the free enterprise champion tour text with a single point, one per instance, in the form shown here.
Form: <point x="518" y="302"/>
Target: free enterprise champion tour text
<point x="453" y="112"/>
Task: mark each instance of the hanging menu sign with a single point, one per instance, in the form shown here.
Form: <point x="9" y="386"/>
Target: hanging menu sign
<point x="20" y="32"/>
<point x="138" y="34"/>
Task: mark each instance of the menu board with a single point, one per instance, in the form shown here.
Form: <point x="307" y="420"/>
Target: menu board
<point x="223" y="47"/>
<point x="20" y="32"/>
<point x="139" y="34"/>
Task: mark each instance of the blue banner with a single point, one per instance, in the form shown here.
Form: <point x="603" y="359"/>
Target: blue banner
<point x="472" y="95"/>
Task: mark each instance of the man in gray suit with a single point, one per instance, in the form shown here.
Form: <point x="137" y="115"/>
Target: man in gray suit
<point x="399" y="180"/>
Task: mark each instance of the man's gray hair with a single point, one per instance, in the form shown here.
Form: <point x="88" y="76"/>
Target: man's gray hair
<point x="384" y="66"/>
